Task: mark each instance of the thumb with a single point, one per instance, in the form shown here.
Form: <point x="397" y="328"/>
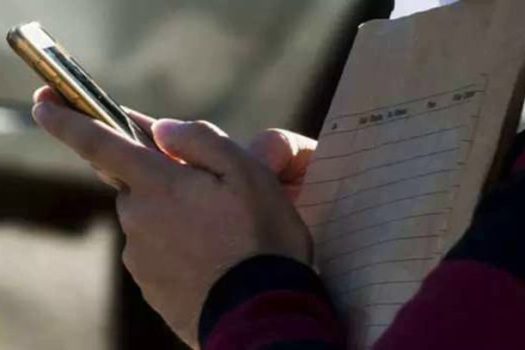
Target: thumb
<point x="286" y="153"/>
<point x="200" y="144"/>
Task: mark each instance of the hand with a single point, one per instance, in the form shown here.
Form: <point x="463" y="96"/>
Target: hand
<point x="287" y="154"/>
<point x="186" y="221"/>
<point x="47" y="94"/>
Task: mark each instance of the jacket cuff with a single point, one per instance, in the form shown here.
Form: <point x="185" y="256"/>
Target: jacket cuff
<point x="252" y="279"/>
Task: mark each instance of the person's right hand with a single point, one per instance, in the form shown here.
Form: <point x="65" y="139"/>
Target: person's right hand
<point x="190" y="217"/>
<point x="287" y="155"/>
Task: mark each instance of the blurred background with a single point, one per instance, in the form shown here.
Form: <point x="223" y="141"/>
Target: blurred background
<point x="243" y="64"/>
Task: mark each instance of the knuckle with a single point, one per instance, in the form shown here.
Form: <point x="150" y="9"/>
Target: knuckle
<point x="275" y="135"/>
<point x="126" y="214"/>
<point x="127" y="222"/>
<point x="195" y="134"/>
<point x="127" y="258"/>
<point x="203" y="127"/>
<point x="89" y="148"/>
<point x="121" y="202"/>
<point x="272" y="138"/>
<point x="57" y="121"/>
<point x="58" y="126"/>
<point x="196" y="130"/>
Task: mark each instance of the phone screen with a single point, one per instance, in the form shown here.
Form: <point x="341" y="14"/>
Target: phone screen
<point x="87" y="83"/>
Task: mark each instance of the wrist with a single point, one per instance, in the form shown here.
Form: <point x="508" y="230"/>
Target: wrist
<point x="263" y="277"/>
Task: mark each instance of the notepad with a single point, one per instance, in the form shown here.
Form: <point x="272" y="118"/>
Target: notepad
<point x="424" y="110"/>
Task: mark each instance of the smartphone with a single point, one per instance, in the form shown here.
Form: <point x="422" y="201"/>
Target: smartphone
<point x="63" y="73"/>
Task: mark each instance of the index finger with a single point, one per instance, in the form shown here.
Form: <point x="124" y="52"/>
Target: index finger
<point x="101" y="145"/>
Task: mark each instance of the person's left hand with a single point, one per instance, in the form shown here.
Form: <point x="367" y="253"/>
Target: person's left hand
<point x="188" y="218"/>
<point x="287" y="155"/>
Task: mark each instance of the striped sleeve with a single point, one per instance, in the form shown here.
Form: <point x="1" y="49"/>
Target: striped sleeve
<point x="269" y="303"/>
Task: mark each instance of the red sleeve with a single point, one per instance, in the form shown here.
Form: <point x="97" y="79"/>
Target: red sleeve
<point x="269" y="303"/>
<point x="461" y="305"/>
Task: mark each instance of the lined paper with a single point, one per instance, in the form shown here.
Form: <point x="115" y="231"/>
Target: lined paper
<point x="378" y="195"/>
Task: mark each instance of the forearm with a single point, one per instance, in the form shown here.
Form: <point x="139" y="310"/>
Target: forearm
<point x="268" y="303"/>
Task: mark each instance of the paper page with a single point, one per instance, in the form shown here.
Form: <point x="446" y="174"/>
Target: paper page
<point x="402" y="157"/>
<point x="379" y="194"/>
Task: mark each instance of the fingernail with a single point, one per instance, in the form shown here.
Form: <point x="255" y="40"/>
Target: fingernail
<point x="42" y="112"/>
<point x="37" y="93"/>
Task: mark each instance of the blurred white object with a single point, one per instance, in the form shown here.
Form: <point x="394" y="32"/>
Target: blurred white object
<point x="56" y="293"/>
<point x="408" y="7"/>
<point x="10" y="121"/>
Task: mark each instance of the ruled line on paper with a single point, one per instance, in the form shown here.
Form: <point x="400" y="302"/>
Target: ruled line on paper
<point x="372" y="245"/>
<point x="416" y="226"/>
<point x="341" y="274"/>
<point x="379" y="205"/>
<point x="382" y="283"/>
<point x="347" y="131"/>
<point x="394" y="105"/>
<point x="377" y="325"/>
<point x="388" y="143"/>
<point x="375" y="187"/>
<point x="445" y="211"/>
<point x="352" y="175"/>
<point x="371" y="305"/>
<point x="345" y="217"/>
